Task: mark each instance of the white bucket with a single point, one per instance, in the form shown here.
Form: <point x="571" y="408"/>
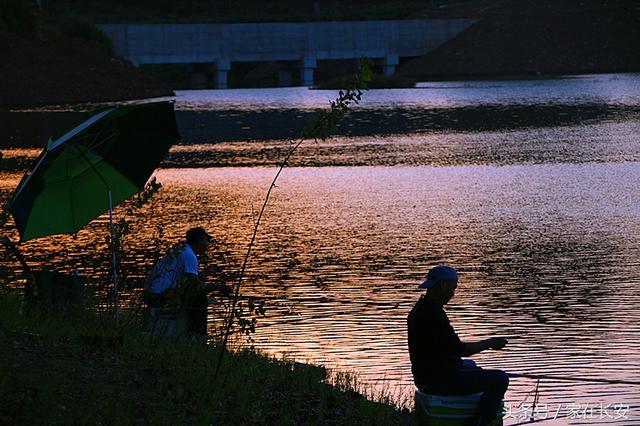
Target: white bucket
<point x="455" y="410"/>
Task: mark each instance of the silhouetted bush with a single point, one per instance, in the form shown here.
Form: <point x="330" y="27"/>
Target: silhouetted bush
<point x="78" y="28"/>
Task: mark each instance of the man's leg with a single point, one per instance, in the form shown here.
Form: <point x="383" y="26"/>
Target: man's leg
<point x="151" y="299"/>
<point x="492" y="383"/>
<point x="198" y="314"/>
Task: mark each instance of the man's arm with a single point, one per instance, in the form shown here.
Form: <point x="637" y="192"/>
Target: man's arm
<point x="472" y="348"/>
<point x="195" y="280"/>
<point x="224" y="289"/>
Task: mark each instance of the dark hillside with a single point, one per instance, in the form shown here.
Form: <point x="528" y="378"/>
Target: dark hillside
<point x="544" y="37"/>
<point x="54" y="61"/>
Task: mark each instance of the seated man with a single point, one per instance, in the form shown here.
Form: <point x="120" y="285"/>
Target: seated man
<point x="174" y="281"/>
<point x="435" y="349"/>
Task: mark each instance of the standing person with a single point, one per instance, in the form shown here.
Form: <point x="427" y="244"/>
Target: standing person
<point x="174" y="280"/>
<point x="436" y="350"/>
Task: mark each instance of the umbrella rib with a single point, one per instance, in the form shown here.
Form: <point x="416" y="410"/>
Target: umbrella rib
<point x="75" y="131"/>
<point x="90" y="140"/>
<point x="98" y="132"/>
<point x="95" y="144"/>
<point x="107" y="120"/>
<point x="82" y="154"/>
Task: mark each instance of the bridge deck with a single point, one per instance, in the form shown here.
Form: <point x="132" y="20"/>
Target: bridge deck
<point x="307" y="42"/>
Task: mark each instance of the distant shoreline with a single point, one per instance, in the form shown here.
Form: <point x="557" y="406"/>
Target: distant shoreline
<point x="83" y="104"/>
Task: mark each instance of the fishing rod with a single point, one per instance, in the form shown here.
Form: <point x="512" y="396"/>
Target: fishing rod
<point x="539" y="377"/>
<point x="575" y="379"/>
<point x="556" y="417"/>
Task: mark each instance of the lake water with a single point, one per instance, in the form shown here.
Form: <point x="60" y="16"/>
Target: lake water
<point x="529" y="188"/>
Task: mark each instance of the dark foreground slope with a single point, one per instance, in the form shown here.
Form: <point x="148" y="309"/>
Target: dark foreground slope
<point x="545" y="37"/>
<point x="76" y="368"/>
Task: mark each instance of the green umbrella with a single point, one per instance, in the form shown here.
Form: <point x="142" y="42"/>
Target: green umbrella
<point x="93" y="167"/>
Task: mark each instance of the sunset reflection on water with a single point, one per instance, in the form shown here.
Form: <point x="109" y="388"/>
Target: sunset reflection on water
<point x="547" y="254"/>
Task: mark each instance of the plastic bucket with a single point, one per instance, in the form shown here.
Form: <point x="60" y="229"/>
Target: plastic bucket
<point x="458" y="410"/>
<point x="168" y="323"/>
<point x="55" y="289"/>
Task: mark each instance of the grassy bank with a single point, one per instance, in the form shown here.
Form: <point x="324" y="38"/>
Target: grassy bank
<point x="78" y="368"/>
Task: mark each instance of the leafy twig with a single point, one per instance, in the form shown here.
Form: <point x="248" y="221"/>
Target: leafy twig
<point x="122" y="227"/>
<point x="325" y="124"/>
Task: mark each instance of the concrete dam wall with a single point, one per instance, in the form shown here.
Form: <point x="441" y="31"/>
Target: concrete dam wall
<point x="218" y="45"/>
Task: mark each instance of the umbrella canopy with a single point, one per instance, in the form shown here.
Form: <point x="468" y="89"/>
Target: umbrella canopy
<point x="96" y="165"/>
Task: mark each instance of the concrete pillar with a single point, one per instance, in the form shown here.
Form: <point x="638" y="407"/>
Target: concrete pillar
<point x="307" y="65"/>
<point x="389" y="64"/>
<point x="222" y="69"/>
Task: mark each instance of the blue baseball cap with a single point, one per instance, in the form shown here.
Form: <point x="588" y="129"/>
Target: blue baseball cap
<point x="437" y="274"/>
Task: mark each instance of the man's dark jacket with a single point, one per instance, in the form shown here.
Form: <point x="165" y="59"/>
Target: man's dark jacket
<point x="434" y="347"/>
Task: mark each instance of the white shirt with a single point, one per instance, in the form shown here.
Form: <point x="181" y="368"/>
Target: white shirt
<point x="169" y="272"/>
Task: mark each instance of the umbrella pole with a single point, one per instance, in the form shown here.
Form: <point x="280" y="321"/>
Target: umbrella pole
<point x="113" y="261"/>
